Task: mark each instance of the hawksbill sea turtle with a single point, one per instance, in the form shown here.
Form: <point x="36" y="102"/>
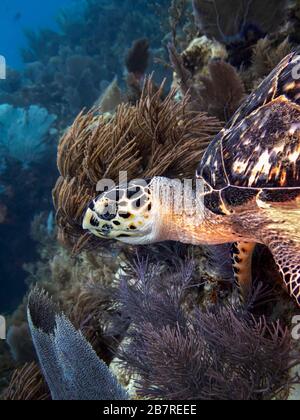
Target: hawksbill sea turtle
<point x="250" y="175"/>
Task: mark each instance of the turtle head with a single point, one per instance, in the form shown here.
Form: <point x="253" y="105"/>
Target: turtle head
<point x="148" y="212"/>
<point x="123" y="213"/>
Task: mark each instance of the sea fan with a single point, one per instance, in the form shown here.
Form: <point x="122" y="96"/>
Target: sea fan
<point x="137" y="57"/>
<point x="223" y="91"/>
<point x="23" y="132"/>
<point x="70" y="366"/>
<point x="232" y="20"/>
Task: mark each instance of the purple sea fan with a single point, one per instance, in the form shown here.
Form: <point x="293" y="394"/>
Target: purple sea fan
<point x="180" y="351"/>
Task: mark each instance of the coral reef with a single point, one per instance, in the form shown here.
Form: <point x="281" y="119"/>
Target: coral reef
<point x="65" y="69"/>
<point x="240" y="24"/>
<point x="64" y="72"/>
<point x="217" y="350"/>
<point x="165" y="318"/>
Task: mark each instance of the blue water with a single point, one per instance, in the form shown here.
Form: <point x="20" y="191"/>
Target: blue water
<point x="17" y="15"/>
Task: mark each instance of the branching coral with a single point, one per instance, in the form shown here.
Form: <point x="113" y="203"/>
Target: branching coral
<point x="214" y="85"/>
<point x="137" y="58"/>
<point x="184" y="78"/>
<point x="179" y="351"/>
<point x="223" y="91"/>
<point x="27" y="384"/>
<point x="178" y="11"/>
<point x="240" y="24"/>
<point x="155" y="137"/>
<point x="266" y="57"/>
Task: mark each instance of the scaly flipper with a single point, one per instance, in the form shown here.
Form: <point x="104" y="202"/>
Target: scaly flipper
<point x="286" y="253"/>
<point x="242" y="253"/>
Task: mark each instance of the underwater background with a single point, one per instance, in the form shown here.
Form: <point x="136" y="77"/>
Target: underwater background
<point x="17" y="16"/>
<point x="162" y="78"/>
<point x="60" y="57"/>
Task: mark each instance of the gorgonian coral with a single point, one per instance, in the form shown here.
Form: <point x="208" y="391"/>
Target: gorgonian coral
<point x="70" y="365"/>
<point x="137" y="58"/>
<point x="213" y="84"/>
<point x="181" y="351"/>
<point x="223" y="91"/>
<point x="231" y="21"/>
<point x="27" y="384"/>
<point x="23" y="133"/>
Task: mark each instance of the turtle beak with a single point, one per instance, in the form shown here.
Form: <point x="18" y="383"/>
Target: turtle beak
<point x="86" y="224"/>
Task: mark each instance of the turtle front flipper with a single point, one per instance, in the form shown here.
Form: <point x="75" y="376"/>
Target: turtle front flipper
<point x="242" y="253"/>
<point x="286" y="253"/>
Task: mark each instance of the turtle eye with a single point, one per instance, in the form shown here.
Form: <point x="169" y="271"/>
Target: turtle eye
<point x="109" y="212"/>
<point x="108" y="216"/>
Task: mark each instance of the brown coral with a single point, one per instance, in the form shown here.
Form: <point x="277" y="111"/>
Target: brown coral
<point x="137" y="58"/>
<point x="27" y="384"/>
<point x="223" y="91"/>
<point x="155" y="137"/>
<point x="200" y="52"/>
<point x="266" y="56"/>
<point x="226" y="19"/>
<point x="213" y="84"/>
